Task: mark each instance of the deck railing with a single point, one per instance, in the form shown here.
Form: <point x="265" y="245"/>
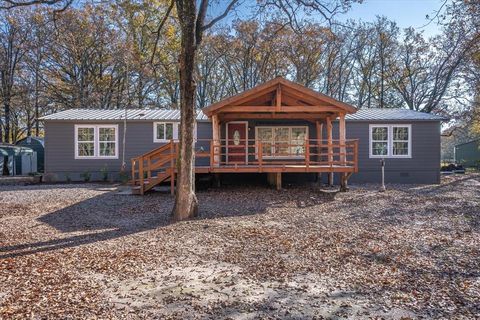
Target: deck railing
<point x="311" y="152"/>
<point x="311" y="155"/>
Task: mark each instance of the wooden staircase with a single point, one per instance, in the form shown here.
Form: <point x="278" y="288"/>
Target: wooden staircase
<point x="153" y="168"/>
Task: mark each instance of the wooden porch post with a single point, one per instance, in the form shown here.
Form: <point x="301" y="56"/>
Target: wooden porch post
<point x="342" y="136"/>
<point x="274" y="180"/>
<point x="330" y="149"/>
<point x="343" y="149"/>
<point x="319" y="127"/>
<point x="216" y="140"/>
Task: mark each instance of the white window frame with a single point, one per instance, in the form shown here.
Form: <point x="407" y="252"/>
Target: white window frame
<point x="273" y="146"/>
<point x="176" y="129"/>
<point x="96" y="142"/>
<point x="390" y="140"/>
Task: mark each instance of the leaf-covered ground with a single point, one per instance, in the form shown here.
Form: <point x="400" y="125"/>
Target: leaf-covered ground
<point x="85" y="251"/>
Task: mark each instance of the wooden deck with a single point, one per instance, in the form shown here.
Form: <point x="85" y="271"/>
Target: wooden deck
<point x="246" y="156"/>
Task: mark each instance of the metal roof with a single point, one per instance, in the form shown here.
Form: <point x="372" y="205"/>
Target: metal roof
<point x="119" y="114"/>
<point x="372" y="114"/>
<point x="394" y="114"/>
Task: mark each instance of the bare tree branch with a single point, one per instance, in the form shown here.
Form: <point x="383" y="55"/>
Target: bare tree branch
<point x="229" y="8"/>
<point x="159" y="29"/>
<point x="10" y="4"/>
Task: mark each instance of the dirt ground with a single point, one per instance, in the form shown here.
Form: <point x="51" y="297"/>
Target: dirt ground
<point x="86" y="251"/>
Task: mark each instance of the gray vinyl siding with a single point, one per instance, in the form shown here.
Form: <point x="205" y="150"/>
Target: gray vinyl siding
<point x="60" y="147"/>
<point x="423" y="167"/>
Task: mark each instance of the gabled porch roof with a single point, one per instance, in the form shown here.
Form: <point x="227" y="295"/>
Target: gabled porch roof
<point x="278" y="99"/>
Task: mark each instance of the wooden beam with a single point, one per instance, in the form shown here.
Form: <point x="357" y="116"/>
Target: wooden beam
<point x="330" y="149"/>
<point x="278" y="98"/>
<point x="216" y="139"/>
<point x="319" y="128"/>
<point x="278" y="181"/>
<point x="343" y="158"/>
<point x="263" y="100"/>
<point x="296" y="116"/>
<point x="276" y="108"/>
<point x="289" y="101"/>
<point x="241" y="98"/>
<point x="300" y="96"/>
<point x="288" y="88"/>
<point x="316" y="95"/>
<point x="342" y="136"/>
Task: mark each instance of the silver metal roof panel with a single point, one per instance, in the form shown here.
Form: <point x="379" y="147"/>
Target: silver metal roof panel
<point x="372" y="114"/>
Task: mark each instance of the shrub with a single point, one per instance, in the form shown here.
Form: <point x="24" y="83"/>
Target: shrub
<point x="86" y="176"/>
<point x="104" y="172"/>
<point x="50" y="178"/>
<point x="68" y="178"/>
<point x="124" y="177"/>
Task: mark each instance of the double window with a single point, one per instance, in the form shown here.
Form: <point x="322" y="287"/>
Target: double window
<point x="166" y="131"/>
<point x="96" y="141"/>
<point x="278" y="142"/>
<point x="390" y="141"/>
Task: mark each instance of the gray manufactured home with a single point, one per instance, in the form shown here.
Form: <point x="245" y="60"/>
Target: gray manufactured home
<point x="278" y="128"/>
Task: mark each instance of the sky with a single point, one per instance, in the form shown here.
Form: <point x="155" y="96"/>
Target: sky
<point x="405" y="12"/>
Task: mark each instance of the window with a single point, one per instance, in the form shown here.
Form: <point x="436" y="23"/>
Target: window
<point x="166" y="131"/>
<point x="390" y="141"/>
<point x="286" y="142"/>
<point x="96" y="141"/>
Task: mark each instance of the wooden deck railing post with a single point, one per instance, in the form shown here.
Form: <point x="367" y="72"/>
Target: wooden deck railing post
<point x="216" y="139"/>
<point x="307" y="154"/>
<point x="212" y="154"/>
<point x="330" y="150"/>
<point x="133" y="171"/>
<point x="260" y="155"/>
<point x="342" y="135"/>
<point x="149" y="165"/>
<point x="355" y="154"/>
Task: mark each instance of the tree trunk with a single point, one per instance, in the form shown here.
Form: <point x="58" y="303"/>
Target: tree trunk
<point x="186" y="204"/>
<point x="37" y="111"/>
<point x="7" y="120"/>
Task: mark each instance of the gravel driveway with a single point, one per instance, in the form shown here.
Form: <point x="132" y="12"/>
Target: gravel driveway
<point x="85" y="251"/>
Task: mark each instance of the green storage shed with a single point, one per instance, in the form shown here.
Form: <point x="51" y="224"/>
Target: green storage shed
<point x="468" y="154"/>
<point x="17" y="160"/>
<point x="36" y="144"/>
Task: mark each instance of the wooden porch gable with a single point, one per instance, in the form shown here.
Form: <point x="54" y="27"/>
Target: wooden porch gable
<point x="278" y="99"/>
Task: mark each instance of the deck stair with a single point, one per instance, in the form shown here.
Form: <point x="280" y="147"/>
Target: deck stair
<point x="319" y="156"/>
<point x="153" y="168"/>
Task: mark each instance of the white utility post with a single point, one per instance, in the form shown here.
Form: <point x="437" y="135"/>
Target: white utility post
<point x="382" y="187"/>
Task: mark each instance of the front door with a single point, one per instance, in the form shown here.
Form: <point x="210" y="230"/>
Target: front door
<point x="237" y="142"/>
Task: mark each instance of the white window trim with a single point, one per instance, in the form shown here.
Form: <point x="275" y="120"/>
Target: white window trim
<point x="390" y="140"/>
<point x="96" y="142"/>
<point x="290" y="139"/>
<point x="176" y="129"/>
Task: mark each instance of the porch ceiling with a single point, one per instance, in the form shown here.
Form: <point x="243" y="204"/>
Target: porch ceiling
<point x="278" y="99"/>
